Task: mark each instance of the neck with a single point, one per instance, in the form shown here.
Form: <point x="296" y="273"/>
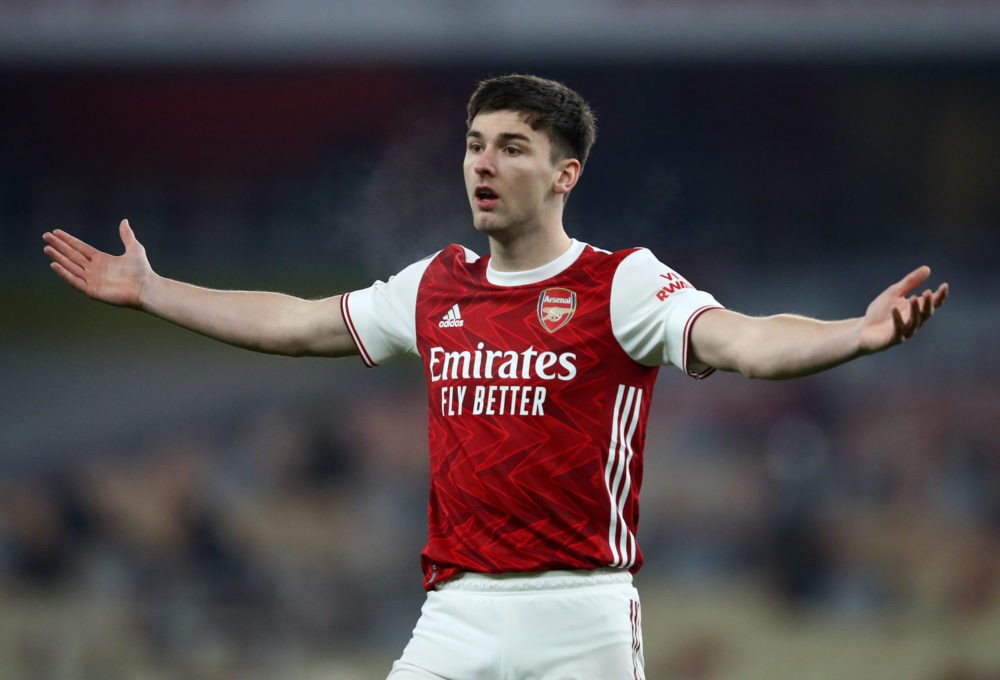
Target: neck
<point x="528" y="251"/>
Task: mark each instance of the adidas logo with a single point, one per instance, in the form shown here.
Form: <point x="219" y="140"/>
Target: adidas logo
<point x="452" y="319"/>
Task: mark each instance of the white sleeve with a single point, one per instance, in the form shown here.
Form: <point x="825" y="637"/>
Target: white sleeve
<point x="652" y="311"/>
<point x="382" y="317"/>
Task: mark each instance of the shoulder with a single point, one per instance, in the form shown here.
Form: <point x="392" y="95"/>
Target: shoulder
<point x="454" y="258"/>
<point x="450" y="264"/>
<point x="605" y="264"/>
<point x="456" y="252"/>
<point x="628" y="266"/>
<point x="595" y="252"/>
<point x="448" y="256"/>
<point x="641" y="265"/>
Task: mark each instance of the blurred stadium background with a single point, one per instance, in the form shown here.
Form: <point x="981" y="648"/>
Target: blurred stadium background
<point x="173" y="508"/>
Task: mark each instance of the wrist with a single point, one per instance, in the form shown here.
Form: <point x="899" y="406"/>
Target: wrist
<point x="862" y="343"/>
<point x="146" y="296"/>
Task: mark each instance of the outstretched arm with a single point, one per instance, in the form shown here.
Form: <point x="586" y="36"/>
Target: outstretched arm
<point x="789" y="346"/>
<point x="261" y="321"/>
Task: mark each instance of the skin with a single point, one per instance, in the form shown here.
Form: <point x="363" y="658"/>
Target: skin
<point x="524" y="224"/>
<point x="522" y="218"/>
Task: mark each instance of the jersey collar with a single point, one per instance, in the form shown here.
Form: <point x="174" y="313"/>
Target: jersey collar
<point x="546" y="271"/>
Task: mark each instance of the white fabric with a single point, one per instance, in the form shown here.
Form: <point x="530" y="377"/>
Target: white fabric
<point x="652" y="310"/>
<point x="521" y="632"/>
<point x="542" y="580"/>
<point x="382" y="316"/>
<point x="546" y="271"/>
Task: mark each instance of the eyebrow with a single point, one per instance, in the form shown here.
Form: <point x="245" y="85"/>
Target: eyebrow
<point x="502" y="138"/>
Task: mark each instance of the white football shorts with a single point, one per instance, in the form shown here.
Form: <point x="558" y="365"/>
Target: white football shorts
<point x="557" y="625"/>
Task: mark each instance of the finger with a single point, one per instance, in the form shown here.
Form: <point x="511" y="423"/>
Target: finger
<point x="64" y="262"/>
<point x="73" y="242"/>
<point x="916" y="316"/>
<point x="940" y="294"/>
<point x="77" y="244"/>
<point x="67" y="248"/>
<point x="897" y="322"/>
<point x="913" y="279"/>
<point x="69" y="277"/>
<point x="918" y="305"/>
<point x="927" y="305"/>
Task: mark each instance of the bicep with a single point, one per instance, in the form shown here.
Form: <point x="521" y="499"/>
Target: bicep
<point x="718" y="336"/>
<point x="324" y="331"/>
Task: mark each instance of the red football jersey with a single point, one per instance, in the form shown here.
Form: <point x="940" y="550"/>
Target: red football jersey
<point x="537" y="414"/>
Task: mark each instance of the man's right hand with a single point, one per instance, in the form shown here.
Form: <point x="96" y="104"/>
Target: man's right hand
<point x="115" y="279"/>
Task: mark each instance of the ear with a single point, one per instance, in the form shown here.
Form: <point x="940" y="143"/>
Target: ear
<point x="567" y="174"/>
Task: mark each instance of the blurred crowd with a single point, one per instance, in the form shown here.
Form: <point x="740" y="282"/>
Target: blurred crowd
<point x="247" y="538"/>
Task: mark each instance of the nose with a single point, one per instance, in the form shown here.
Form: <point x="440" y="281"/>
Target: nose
<point x="484" y="164"/>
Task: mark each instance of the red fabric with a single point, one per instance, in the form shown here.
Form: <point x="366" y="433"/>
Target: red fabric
<point x="531" y="480"/>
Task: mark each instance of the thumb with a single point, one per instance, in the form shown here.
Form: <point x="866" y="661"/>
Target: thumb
<point x="126" y="234"/>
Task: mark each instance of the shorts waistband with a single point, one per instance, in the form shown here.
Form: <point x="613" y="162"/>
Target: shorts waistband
<point x="542" y="580"/>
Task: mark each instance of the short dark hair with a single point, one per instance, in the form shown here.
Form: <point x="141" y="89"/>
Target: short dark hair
<point x="546" y="105"/>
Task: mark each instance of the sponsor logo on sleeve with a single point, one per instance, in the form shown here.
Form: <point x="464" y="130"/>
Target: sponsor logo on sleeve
<point x="675" y="282"/>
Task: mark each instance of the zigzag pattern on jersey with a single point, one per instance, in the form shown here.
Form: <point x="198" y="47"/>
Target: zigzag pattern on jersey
<point x="531" y="492"/>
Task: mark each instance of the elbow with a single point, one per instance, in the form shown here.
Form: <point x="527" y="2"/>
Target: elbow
<point x="295" y="351"/>
<point x="277" y="348"/>
<point x="775" y="371"/>
<point x="755" y="372"/>
<point x="752" y="373"/>
<point x="756" y="368"/>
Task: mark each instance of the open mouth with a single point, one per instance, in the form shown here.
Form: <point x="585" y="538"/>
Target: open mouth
<point x="485" y="197"/>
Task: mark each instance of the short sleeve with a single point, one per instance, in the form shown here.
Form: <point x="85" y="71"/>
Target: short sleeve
<point x="381" y="318"/>
<point x="653" y="309"/>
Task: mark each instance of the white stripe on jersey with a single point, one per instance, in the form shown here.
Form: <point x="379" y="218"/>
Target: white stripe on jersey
<point x="617" y="477"/>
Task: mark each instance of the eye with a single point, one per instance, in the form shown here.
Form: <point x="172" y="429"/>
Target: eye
<point x="475" y="147"/>
<point x="512" y="151"/>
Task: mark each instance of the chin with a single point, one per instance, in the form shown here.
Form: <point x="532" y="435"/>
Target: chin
<point x="488" y="224"/>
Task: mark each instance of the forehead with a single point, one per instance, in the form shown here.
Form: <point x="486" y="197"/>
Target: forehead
<point x="490" y="124"/>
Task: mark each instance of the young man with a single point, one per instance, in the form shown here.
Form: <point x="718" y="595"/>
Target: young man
<point x="540" y="360"/>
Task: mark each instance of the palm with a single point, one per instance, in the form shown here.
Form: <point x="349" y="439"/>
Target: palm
<point x="895" y="315"/>
<point x="115" y="279"/>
